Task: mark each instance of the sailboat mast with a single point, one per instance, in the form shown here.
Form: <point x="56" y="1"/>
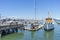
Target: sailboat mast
<point x="35" y="8"/>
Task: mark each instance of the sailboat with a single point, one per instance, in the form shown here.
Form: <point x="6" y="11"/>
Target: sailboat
<point x="34" y="26"/>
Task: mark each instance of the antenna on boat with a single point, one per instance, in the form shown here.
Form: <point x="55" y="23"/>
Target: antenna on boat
<point x="49" y="16"/>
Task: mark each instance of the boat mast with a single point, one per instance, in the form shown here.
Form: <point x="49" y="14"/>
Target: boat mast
<point x="35" y="8"/>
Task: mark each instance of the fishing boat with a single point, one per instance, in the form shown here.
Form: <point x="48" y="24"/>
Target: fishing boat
<point x="48" y="23"/>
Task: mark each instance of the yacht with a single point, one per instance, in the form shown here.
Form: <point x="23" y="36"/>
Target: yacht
<point x="57" y="21"/>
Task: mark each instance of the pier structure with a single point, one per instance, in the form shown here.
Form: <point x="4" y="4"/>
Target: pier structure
<point x="10" y="27"/>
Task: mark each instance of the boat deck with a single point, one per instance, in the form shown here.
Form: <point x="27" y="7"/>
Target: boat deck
<point x="37" y="28"/>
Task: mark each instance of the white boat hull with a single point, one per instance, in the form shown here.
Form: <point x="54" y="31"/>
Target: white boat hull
<point x="48" y="26"/>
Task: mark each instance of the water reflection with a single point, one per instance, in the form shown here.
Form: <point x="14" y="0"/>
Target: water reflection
<point x="58" y="24"/>
<point x="49" y="35"/>
<point x="14" y="36"/>
<point x="32" y="34"/>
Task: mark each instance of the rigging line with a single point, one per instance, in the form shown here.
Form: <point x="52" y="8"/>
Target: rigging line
<point x="0" y="15"/>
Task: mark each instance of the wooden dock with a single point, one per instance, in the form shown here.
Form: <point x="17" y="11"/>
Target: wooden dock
<point x="6" y="27"/>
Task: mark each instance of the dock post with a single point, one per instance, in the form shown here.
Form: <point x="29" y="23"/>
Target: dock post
<point x="12" y="30"/>
<point x="3" y="32"/>
<point x="16" y="29"/>
<point x="8" y="31"/>
<point x="0" y="34"/>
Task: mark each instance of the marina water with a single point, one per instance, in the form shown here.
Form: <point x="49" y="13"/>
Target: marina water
<point x="34" y="35"/>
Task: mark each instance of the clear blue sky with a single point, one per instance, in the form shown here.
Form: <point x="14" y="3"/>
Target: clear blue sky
<point x="25" y="8"/>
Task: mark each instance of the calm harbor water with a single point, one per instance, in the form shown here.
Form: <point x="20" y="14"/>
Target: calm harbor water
<point x="34" y="35"/>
